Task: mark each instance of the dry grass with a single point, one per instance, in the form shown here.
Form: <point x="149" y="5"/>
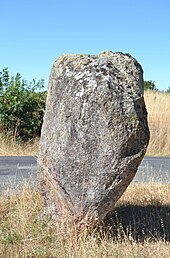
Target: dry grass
<point x="139" y="227"/>
<point x="158" y="106"/>
<point x="9" y="147"/>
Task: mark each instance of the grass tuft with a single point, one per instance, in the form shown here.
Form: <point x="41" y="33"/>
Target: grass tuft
<point x="10" y="147"/>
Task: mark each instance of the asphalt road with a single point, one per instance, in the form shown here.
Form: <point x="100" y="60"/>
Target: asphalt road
<point x="16" y="170"/>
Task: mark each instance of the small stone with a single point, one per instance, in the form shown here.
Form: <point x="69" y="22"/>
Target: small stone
<point x="94" y="134"/>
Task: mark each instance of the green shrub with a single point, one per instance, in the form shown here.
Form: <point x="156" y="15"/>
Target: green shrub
<point x="149" y="85"/>
<point x="22" y="106"/>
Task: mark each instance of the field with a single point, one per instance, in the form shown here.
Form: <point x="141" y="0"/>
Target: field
<point x="138" y="227"/>
<point x="158" y="106"/>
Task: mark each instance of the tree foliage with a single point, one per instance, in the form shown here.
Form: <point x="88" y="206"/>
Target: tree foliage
<point x="149" y="85"/>
<point x="22" y="105"/>
<point x="168" y="90"/>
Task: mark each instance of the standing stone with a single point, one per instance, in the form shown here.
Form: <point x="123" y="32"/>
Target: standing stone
<point x="94" y="135"/>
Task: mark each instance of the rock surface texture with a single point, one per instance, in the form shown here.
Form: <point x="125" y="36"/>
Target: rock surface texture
<point x="94" y="135"/>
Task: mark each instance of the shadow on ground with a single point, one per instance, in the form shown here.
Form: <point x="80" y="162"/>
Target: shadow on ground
<point x="140" y="222"/>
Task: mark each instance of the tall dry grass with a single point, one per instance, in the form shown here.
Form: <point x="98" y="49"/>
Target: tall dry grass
<point x="9" y="146"/>
<point x="158" y="106"/>
<point x="138" y="227"/>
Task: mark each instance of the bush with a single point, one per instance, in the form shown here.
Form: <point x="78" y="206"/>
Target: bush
<point x="149" y="85"/>
<point x="22" y="106"/>
<point x="168" y="90"/>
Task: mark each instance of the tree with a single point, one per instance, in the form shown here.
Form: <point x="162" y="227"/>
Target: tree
<point x="149" y="85"/>
<point x="22" y="106"/>
<point x="168" y="90"/>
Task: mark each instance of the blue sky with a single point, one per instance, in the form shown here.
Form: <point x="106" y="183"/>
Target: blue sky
<point x="36" y="32"/>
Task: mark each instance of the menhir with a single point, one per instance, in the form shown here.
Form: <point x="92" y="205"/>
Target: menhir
<point x="94" y="135"/>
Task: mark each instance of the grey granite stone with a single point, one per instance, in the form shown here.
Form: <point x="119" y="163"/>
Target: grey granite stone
<point x="94" y="134"/>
